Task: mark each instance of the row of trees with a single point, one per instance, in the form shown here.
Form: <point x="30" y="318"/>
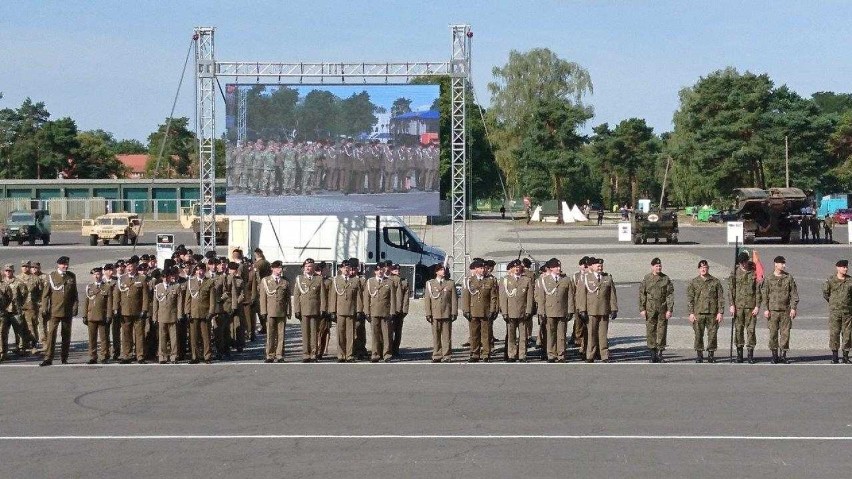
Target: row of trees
<point x="729" y="131"/>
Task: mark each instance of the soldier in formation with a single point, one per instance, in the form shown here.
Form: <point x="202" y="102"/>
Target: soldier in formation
<point x="705" y="304"/>
<point x="275" y="168"/>
<point x="837" y="291"/>
<point x="441" y="308"/>
<point x="780" y="299"/>
<point x="656" y="304"/>
<point x="744" y="295"/>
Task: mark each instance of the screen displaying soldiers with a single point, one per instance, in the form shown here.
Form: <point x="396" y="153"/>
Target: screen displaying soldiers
<point x="332" y="149"/>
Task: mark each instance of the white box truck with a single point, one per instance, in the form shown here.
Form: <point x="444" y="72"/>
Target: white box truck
<point x="292" y="239"/>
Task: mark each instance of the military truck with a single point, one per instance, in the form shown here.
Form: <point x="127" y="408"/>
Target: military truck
<point x="123" y="228"/>
<point x="189" y="218"/>
<point x="657" y="223"/>
<point x="27" y="226"/>
<point x="771" y="213"/>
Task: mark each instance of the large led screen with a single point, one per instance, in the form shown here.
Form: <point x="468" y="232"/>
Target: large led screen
<point x="332" y="149"/>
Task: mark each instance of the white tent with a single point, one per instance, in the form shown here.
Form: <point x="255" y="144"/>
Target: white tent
<point x="577" y="214"/>
<point x="567" y="217"/>
<point x="536" y="216"/>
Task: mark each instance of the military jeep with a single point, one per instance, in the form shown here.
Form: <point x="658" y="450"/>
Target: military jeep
<point x="27" y="226"/>
<point x="123" y="228"/>
<point x="657" y="223"/>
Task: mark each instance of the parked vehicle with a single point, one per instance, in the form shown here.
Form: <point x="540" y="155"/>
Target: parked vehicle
<point x="842" y="216"/>
<point x="189" y="218"/>
<point x="123" y="228"/>
<point x="27" y="226"/>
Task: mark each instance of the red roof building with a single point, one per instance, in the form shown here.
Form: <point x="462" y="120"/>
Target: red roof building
<point x="135" y="164"/>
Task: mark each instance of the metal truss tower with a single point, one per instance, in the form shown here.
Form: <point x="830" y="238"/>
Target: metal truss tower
<point x="458" y="69"/>
<point x="205" y="77"/>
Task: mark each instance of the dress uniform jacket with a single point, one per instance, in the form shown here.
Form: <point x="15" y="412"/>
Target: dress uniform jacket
<point x="597" y="297"/>
<point x="168" y="303"/>
<point x="224" y="284"/>
<point x="656" y="293"/>
<point x="59" y="299"/>
<point x="345" y="297"/>
<point x="479" y="296"/>
<point x="200" y="299"/>
<point x="309" y="297"/>
<point x="403" y="290"/>
<point x="131" y="295"/>
<point x="379" y="298"/>
<point x="275" y="297"/>
<point x="440" y="300"/>
<point x="516" y="296"/>
<point x="555" y="297"/>
<point x="97" y="302"/>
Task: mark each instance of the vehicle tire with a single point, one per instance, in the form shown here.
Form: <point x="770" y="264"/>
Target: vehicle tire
<point x="93" y="240"/>
<point x="45" y="239"/>
<point x="20" y="241"/>
<point x="122" y="240"/>
<point x="636" y="239"/>
<point x="31" y="240"/>
<point x="106" y="242"/>
<point x="5" y="241"/>
<point x="668" y="239"/>
<point x="644" y="240"/>
<point x="674" y="240"/>
<point x="785" y="239"/>
<point x="656" y="240"/>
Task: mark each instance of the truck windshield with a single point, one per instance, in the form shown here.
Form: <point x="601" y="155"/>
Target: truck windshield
<point x="402" y="238"/>
<point x="22" y="217"/>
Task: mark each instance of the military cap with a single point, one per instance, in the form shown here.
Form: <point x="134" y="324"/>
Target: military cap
<point x="170" y="271"/>
<point x="96" y="269"/>
<point x="25" y="264"/>
<point x="321" y="265"/>
<point x="109" y="267"/>
<point x="584" y="261"/>
<point x="223" y="260"/>
<point x="258" y="251"/>
<point x="513" y="263"/>
<point x="276" y="264"/>
<point x="394" y="266"/>
<point x="478" y="259"/>
<point x="308" y="261"/>
<point x="490" y="263"/>
<point x="37" y="264"/>
<point x="210" y="254"/>
<point x="232" y="265"/>
<point x="703" y="262"/>
<point x="144" y="257"/>
<point x="656" y="261"/>
<point x="591" y="260"/>
<point x="526" y="262"/>
<point x="9" y="267"/>
<point x="133" y="260"/>
<point x="198" y="258"/>
<point x="180" y="248"/>
<point x="353" y="262"/>
<point x="345" y="263"/>
<point x="168" y="263"/>
<point x="213" y="260"/>
<point x="143" y="266"/>
<point x="542" y="269"/>
<point x="842" y="263"/>
<point x="63" y="260"/>
<point x="120" y="263"/>
<point x="779" y="259"/>
<point x="743" y="257"/>
<point x="553" y="263"/>
<point x="476" y="264"/>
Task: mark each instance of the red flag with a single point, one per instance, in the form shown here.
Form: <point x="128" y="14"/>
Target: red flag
<point x="758" y="266"/>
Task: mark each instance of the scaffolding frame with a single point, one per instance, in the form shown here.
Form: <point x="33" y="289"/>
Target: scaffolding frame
<point x="208" y="69"/>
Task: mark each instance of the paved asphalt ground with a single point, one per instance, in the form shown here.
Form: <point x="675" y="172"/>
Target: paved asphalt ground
<point x="416" y="419"/>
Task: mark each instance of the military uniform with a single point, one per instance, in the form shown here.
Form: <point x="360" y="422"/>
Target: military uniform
<point x="579" y="329"/>
<point x="479" y="305"/>
<point x="168" y="303"/>
<point x="656" y="298"/>
<point x="345" y="301"/>
<point x="31" y="305"/>
<point x="441" y="307"/>
<point x="324" y="322"/>
<point x="780" y="295"/>
<point x="97" y="314"/>
<point x="838" y="293"/>
<point x="403" y="292"/>
<point x="225" y="310"/>
<point x="11" y="314"/>
<point x="705" y="299"/>
<point x="744" y="295"/>
<point x="131" y="298"/>
<point x="309" y="300"/>
<point x="555" y="298"/>
<point x="360" y="343"/>
<point x="597" y="299"/>
<point x="516" y="297"/>
<point x="379" y="305"/>
<point x="59" y="303"/>
<point x="114" y="328"/>
<point x="274" y="293"/>
<point x="200" y="305"/>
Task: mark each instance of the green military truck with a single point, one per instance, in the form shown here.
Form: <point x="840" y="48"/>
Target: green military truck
<point x="27" y="226"/>
<point x="770" y="213"/>
<point x="656" y="224"/>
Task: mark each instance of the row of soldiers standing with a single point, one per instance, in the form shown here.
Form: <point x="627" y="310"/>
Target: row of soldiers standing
<point x="276" y="168"/>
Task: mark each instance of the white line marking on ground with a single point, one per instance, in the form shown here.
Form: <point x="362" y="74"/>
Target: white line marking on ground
<point x="594" y="437"/>
<point x="670" y="363"/>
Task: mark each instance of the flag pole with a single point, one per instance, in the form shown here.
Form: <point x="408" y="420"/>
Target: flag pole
<point x="733" y="294"/>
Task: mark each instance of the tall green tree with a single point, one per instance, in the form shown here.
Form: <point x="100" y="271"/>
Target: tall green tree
<point x="317" y="116"/>
<point x="357" y="114"/>
<point x="527" y="77"/>
<point x="551" y="164"/>
<point x="178" y="152"/>
<point x="400" y="105"/>
<point x="630" y="153"/>
<point x="95" y="158"/>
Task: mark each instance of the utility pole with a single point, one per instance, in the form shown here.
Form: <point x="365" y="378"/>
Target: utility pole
<point x="787" y="160"/>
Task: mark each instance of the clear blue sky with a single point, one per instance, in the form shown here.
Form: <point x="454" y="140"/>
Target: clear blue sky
<point x="115" y="64"/>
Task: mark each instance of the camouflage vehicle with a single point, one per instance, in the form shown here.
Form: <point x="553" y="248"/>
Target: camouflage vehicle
<point x="656" y="224"/>
<point x="27" y="226"/>
<point x="189" y="218"/>
<point x="123" y="228"/>
<point x="771" y="213"/>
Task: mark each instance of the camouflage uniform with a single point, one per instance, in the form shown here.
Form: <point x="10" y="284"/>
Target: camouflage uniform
<point x="838" y="293"/>
<point x="705" y="299"/>
<point x="747" y="297"/>
<point x="779" y="295"/>
<point x="656" y="297"/>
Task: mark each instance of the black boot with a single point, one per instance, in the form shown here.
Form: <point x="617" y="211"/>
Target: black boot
<point x="774" y="356"/>
<point x="699" y="357"/>
<point x="834" y="357"/>
<point x="846" y="358"/>
<point x="710" y="358"/>
<point x="739" y="355"/>
<point x="653" y="356"/>
<point x="784" y="359"/>
<point x="751" y="356"/>
<point x="660" y="356"/>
